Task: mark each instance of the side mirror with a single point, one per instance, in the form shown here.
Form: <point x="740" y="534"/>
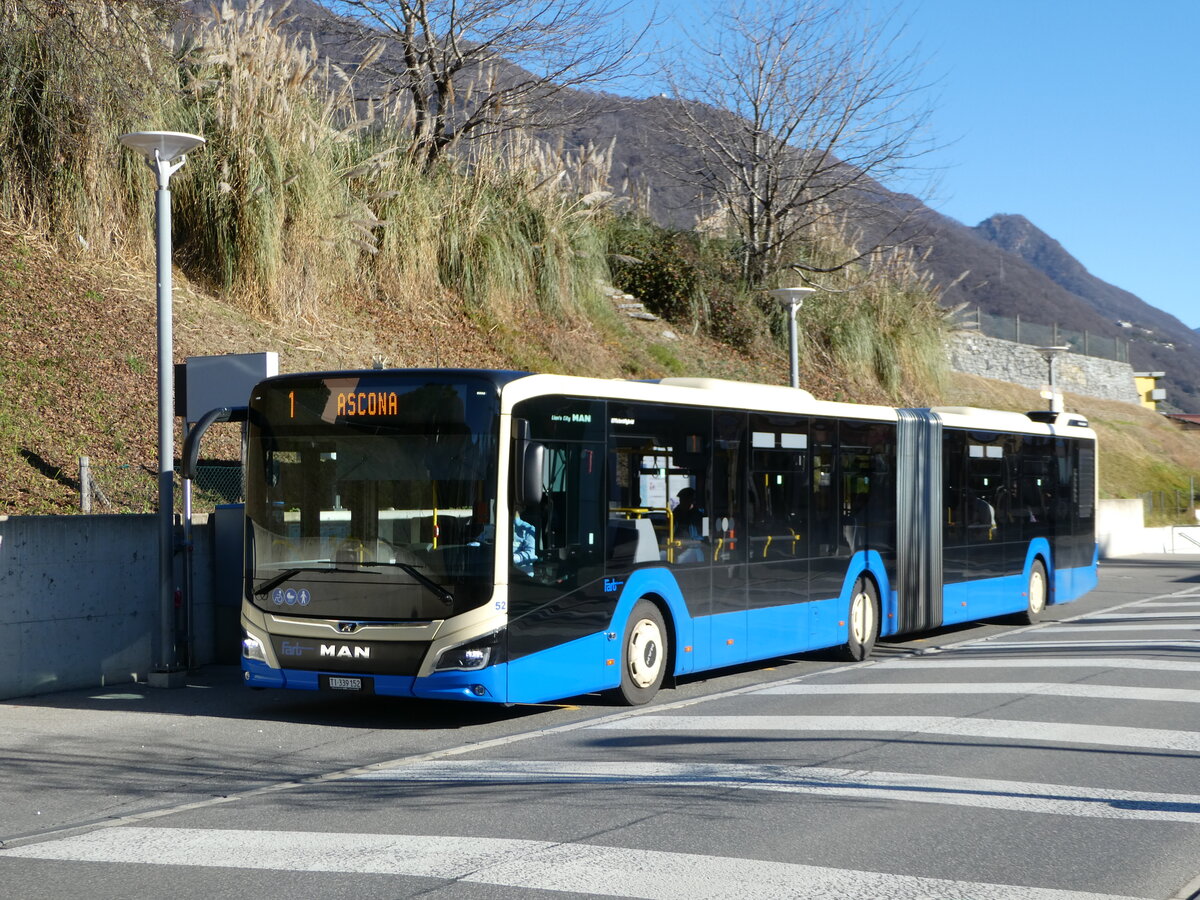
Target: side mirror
<point x="528" y="458"/>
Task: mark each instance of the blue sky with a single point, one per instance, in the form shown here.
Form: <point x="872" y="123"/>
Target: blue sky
<point x="1081" y="115"/>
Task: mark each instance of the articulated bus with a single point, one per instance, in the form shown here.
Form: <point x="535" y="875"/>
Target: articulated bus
<point x="512" y="537"/>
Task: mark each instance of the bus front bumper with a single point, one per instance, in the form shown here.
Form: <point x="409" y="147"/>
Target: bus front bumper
<point x="484" y="685"/>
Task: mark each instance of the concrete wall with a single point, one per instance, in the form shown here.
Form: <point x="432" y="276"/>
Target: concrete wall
<point x="977" y="354"/>
<point x="79" y="602"/>
<point x="1121" y="531"/>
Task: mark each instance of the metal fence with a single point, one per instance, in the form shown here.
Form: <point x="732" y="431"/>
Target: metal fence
<point x="124" y="488"/>
<point x="1171" y="504"/>
<point x="1021" y="331"/>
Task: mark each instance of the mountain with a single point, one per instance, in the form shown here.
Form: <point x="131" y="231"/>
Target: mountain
<point x="1014" y="268"/>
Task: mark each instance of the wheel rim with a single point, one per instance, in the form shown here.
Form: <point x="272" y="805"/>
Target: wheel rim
<point x="1037" y="591"/>
<point x="862" y="617"/>
<point x="644" y="653"/>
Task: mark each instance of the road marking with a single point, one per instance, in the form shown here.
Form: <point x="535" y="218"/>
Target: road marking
<point x="1002" y="642"/>
<point x="986" y="793"/>
<point x="1058" y="629"/>
<point x="1043" y="662"/>
<point x="1125" y="617"/>
<point x="1094" y="691"/>
<point x="1005" y="729"/>
<point x="533" y="865"/>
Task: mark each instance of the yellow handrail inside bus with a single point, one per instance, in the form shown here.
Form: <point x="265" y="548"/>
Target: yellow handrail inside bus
<point x="637" y="512"/>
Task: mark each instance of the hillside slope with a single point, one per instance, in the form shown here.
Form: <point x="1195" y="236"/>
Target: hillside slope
<point x="78" y="365"/>
<point x="77" y="373"/>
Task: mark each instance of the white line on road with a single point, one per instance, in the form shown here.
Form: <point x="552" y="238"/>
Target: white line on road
<point x="1058" y="629"/>
<point x="1042" y="662"/>
<point x="986" y="793"/>
<point x="533" y="865"/>
<point x="1093" y="691"/>
<point x="1002" y="642"/>
<point x="950" y="726"/>
<point x="1124" y="617"/>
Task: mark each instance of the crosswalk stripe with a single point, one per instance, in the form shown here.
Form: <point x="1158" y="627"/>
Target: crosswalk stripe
<point x="1006" y="729"/>
<point x="1095" y="662"/>
<point x="986" y="793"/>
<point x="1093" y="691"/>
<point x="1005" y="643"/>
<point x="1058" y="629"/>
<point x="534" y="865"/>
<point x="1123" y="617"/>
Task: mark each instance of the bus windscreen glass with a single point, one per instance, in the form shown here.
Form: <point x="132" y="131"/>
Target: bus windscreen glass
<point x="371" y="497"/>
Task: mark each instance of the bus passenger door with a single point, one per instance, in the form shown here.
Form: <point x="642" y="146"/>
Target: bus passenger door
<point x="828" y="546"/>
<point x="778" y="530"/>
<point x="728" y="540"/>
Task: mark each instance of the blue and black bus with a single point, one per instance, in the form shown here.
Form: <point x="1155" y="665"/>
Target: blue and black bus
<point x="516" y="538"/>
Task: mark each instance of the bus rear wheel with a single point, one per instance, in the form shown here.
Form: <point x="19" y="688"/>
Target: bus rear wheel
<point x="862" y="622"/>
<point x="1036" y="595"/>
<point x="643" y="654"/>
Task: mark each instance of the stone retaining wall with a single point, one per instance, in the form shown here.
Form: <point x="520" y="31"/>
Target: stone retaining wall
<point x="977" y="354"/>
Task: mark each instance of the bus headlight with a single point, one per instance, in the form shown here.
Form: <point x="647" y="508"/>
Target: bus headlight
<point x="252" y="648"/>
<point x="471" y="656"/>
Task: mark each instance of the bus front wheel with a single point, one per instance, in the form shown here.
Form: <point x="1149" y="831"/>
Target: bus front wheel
<point x="643" y="654"/>
<point x="1036" y="595"/>
<point x="862" y="621"/>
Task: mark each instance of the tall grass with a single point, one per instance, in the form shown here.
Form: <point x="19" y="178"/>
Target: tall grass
<point x="72" y="79"/>
<point x="302" y="194"/>
<point x="265" y="210"/>
<point x="877" y="323"/>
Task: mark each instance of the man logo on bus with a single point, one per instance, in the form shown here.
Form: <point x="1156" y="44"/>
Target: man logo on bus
<point x="346" y="651"/>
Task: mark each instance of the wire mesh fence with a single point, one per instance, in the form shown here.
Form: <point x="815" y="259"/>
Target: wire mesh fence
<point x="1020" y="331"/>
<point x="1168" y="504"/>
<point x="107" y="487"/>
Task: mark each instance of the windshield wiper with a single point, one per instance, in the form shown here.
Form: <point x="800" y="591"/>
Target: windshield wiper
<point x="444" y="595"/>
<point x="288" y="574"/>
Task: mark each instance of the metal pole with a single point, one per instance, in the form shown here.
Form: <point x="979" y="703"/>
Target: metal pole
<point x="189" y="630"/>
<point x="793" y="346"/>
<point x="165" y="152"/>
<point x="166" y="427"/>
<point x="792" y="298"/>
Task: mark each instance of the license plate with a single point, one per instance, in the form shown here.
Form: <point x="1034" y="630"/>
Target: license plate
<point x="338" y="683"/>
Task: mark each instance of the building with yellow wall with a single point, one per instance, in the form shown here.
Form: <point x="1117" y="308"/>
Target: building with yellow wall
<point x="1149" y="393"/>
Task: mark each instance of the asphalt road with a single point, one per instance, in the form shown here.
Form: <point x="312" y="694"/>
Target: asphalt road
<point x="989" y="761"/>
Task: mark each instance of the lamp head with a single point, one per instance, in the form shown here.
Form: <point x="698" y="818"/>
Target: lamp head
<point x="793" y="296"/>
<point x="1048" y="353"/>
<point x="165" y="146"/>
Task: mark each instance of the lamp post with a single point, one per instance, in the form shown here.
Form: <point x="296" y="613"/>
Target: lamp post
<point x="165" y="152"/>
<point x="1050" y="354"/>
<point x="793" y="299"/>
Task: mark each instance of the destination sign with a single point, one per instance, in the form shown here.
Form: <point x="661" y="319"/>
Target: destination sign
<point x="367" y="403"/>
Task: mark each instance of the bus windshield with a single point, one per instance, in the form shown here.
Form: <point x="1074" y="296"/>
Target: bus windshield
<point x="371" y="496"/>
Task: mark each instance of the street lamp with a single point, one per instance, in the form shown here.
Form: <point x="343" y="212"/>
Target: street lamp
<point x="792" y="298"/>
<point x="1050" y="354"/>
<point x="165" y="152"/>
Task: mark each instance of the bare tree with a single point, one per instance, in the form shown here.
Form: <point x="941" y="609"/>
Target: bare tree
<point x="469" y="68"/>
<point x="793" y="113"/>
